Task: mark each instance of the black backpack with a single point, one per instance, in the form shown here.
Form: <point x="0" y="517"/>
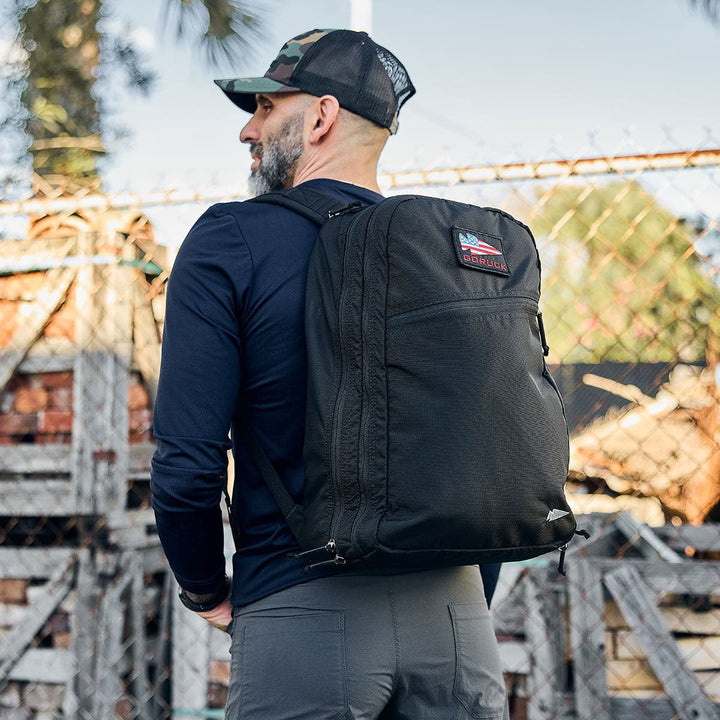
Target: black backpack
<point x="435" y="434"/>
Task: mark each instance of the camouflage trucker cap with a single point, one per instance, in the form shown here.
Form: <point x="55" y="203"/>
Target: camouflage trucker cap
<point x="366" y="79"/>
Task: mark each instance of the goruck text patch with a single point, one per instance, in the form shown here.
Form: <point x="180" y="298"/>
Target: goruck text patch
<point x="480" y="251"/>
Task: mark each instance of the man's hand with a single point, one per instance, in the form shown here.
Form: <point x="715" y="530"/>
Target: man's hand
<point x="220" y="616"/>
<point x="215" y="607"/>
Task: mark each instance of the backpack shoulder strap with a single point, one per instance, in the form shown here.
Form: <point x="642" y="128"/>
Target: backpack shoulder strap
<point x="316" y="206"/>
<point x="272" y="479"/>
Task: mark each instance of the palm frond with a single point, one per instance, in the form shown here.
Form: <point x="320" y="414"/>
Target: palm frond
<point x="227" y="31"/>
<point x="710" y="8"/>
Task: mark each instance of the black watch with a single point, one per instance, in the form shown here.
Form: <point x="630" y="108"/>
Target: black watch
<point x="211" y="603"/>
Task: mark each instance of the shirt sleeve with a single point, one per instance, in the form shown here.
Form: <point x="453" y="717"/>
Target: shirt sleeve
<point x="198" y="389"/>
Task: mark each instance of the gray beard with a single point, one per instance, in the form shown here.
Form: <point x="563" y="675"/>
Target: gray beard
<point x="279" y="158"/>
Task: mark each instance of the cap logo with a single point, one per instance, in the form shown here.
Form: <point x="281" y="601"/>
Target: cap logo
<point x="480" y="251"/>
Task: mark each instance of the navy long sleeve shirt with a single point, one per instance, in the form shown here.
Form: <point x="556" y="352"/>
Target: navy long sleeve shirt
<point x="234" y="353"/>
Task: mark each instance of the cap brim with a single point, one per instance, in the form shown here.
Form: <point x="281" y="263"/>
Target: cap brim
<point x="242" y="91"/>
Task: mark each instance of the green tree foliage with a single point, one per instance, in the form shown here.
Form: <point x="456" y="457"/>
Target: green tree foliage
<point x="66" y="58"/>
<point x="62" y="115"/>
<point x="622" y="280"/>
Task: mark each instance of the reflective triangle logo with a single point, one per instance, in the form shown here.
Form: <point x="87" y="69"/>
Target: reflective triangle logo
<point x="556" y="514"/>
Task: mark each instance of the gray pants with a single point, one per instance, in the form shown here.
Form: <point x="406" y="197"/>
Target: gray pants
<point x="418" y="646"/>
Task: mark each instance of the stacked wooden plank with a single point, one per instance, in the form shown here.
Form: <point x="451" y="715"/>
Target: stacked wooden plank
<point x="81" y="300"/>
<point x="84" y="634"/>
<point x="84" y="587"/>
<point x="632" y="631"/>
<point x="695" y="626"/>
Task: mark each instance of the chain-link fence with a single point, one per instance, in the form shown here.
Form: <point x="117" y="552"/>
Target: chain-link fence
<point x="89" y="622"/>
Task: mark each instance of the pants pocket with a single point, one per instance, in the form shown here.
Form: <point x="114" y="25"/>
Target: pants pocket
<point x="293" y="665"/>
<point x="479" y="686"/>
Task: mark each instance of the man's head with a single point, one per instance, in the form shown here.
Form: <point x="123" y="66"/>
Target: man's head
<point x="325" y="86"/>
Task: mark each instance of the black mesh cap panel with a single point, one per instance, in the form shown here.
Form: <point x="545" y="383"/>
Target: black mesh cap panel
<point x="366" y="79"/>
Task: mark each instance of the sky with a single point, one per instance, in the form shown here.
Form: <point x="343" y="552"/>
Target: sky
<point x="497" y="81"/>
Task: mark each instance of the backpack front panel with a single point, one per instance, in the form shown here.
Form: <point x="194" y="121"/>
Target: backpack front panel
<point x="434" y="434"/>
<point x="476" y="439"/>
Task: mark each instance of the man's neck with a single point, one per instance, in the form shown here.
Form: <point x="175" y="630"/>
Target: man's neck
<point x="368" y="181"/>
<point x="356" y="171"/>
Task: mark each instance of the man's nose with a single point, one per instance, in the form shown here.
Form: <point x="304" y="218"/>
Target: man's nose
<point x="250" y="133"/>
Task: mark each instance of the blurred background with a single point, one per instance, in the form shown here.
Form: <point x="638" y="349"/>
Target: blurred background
<point x="598" y="124"/>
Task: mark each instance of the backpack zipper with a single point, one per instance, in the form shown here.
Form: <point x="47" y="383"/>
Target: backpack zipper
<point x="329" y="547"/>
<point x="366" y="396"/>
<point x="339" y="407"/>
<point x="342" y="389"/>
<point x="512" y="302"/>
<point x="365" y="405"/>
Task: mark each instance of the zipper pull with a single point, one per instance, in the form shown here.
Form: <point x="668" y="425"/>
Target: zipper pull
<point x="543" y="339"/>
<point x="337" y="560"/>
<point x="352" y="207"/>
<point x="329" y="547"/>
<point x="563" y="550"/>
<point x="561" y="563"/>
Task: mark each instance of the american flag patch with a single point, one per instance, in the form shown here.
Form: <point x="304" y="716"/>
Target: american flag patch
<point x="472" y="244"/>
<point x="480" y="251"/>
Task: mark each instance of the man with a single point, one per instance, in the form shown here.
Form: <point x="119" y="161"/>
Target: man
<point x="326" y="644"/>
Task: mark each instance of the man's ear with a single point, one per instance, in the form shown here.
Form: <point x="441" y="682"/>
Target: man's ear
<point x="323" y="116"/>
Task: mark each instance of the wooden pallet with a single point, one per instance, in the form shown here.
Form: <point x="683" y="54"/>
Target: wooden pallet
<point x="632" y="631"/>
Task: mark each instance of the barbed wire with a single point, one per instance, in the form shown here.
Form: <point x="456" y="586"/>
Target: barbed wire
<point x="531" y="170"/>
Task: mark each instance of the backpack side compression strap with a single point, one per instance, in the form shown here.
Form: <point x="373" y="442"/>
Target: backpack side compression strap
<point x="272" y="480"/>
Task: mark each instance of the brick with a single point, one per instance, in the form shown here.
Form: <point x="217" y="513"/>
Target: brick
<point x="30" y="400"/>
<point x="137" y="438"/>
<point x="139" y="398"/>
<point x="42" y="696"/>
<point x="60" y="438"/>
<point x="13" y="590"/>
<point x="518" y="707"/>
<point x="217" y="695"/>
<point x="61" y="398"/>
<point x="62" y="640"/>
<point x="18" y="425"/>
<point x="15" y="713"/>
<point x="10" y="697"/>
<point x="220" y="672"/>
<point x="140" y="421"/>
<point x="56" y="421"/>
<point x="17" y="288"/>
<point x="57" y="379"/>
<point x="17" y="381"/>
<point x="125" y="709"/>
<point x="59" y="622"/>
<point x="62" y="324"/>
<point x="8" y="322"/>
